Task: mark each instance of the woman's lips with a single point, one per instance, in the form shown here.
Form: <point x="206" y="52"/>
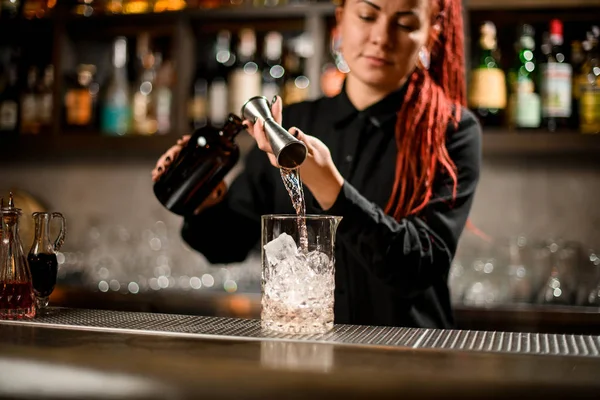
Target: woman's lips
<point x="377" y="61"/>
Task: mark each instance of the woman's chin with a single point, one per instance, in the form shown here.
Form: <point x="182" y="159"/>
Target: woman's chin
<point x="379" y="81"/>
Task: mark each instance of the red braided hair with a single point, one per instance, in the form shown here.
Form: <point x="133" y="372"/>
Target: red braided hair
<point x="432" y="100"/>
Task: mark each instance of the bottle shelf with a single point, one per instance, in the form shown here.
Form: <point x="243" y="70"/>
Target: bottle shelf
<point x="185" y="28"/>
<point x="538" y="143"/>
<point x="497" y="143"/>
<point x="83" y="146"/>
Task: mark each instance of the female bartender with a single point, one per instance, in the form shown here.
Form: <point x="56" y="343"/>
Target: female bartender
<point x="396" y="154"/>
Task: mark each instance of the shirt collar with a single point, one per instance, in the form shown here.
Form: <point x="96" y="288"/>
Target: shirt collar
<point x="379" y="113"/>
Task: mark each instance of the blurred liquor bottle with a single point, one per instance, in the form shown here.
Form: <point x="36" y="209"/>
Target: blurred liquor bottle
<point x="30" y="123"/>
<point x="87" y="8"/>
<point x="218" y="86"/>
<point x="9" y="100"/>
<point x="113" y="6"/>
<point x="163" y="94"/>
<point x="556" y="81"/>
<point x="45" y="89"/>
<point x="198" y="102"/>
<point x="577" y="60"/>
<point x="487" y="91"/>
<point x="589" y="85"/>
<point x="272" y="70"/>
<point x="144" y="89"/>
<point x="115" y="117"/>
<point x="81" y="100"/>
<point x="524" y="105"/>
<point x="245" y="77"/>
<point x="37" y="8"/>
<point x="169" y="5"/>
<point x="296" y="85"/>
<point x="137" y="6"/>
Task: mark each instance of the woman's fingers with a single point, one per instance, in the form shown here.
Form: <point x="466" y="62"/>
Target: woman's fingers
<point x="168" y="157"/>
<point x="215" y="197"/>
<point x="273" y="160"/>
<point x="184" y="140"/>
<point x="298" y="134"/>
<point x="277" y="109"/>
<point x="257" y="131"/>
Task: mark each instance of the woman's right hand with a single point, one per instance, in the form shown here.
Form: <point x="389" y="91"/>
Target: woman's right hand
<point x="165" y="161"/>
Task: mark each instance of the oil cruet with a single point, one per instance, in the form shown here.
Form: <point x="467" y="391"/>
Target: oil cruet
<point x="16" y="290"/>
<point x="42" y="256"/>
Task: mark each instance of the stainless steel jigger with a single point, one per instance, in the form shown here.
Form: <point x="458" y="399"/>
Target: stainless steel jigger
<point x="289" y="151"/>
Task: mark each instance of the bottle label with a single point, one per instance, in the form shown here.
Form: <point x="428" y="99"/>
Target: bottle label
<point x="115" y="119"/>
<point x="525" y="105"/>
<point x="218" y="102"/>
<point x="243" y="86"/>
<point x="143" y="118"/>
<point x="79" y="107"/>
<point x="556" y="90"/>
<point x="589" y="109"/>
<point x="488" y="88"/>
<point x="8" y="115"/>
<point x="528" y="110"/>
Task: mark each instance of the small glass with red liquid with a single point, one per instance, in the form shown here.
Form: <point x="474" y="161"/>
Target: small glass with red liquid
<point x="42" y="256"/>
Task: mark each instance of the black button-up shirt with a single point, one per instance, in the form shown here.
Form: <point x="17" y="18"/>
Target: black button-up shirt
<point x="388" y="272"/>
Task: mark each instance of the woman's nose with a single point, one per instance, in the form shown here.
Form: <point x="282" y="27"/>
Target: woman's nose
<point x="381" y="34"/>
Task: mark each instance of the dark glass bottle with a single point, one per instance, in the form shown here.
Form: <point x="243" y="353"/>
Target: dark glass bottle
<point x="487" y="89"/>
<point x="556" y="73"/>
<point x="199" y="168"/>
<point x="524" y="104"/>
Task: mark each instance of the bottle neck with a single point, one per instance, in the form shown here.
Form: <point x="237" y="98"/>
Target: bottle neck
<point x="10" y="226"/>
<point x="233" y="126"/>
<point x="41" y="241"/>
<point x="487" y="59"/>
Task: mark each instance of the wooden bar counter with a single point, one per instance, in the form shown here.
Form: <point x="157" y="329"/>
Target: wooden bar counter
<point x="100" y="354"/>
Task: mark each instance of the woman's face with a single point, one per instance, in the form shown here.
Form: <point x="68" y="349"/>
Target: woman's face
<point x="381" y="39"/>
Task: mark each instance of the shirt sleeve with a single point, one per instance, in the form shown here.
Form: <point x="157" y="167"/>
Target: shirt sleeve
<point x="227" y="231"/>
<point x="416" y="251"/>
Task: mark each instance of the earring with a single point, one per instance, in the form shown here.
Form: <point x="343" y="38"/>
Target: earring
<point x="424" y="58"/>
<point x="336" y="45"/>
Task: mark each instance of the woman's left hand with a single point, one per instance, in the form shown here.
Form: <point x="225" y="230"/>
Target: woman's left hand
<point x="318" y="172"/>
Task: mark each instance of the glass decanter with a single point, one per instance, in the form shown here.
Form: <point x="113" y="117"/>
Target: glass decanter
<point x="42" y="256"/>
<point x="16" y="290"/>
